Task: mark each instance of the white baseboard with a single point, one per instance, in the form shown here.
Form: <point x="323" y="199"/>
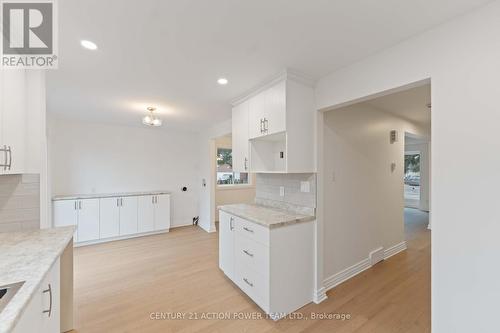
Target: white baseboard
<point x="395" y="249"/>
<point x="118" y="238"/>
<point x="359" y="267"/>
<point x="319" y="295"/>
<point x="346" y="274"/>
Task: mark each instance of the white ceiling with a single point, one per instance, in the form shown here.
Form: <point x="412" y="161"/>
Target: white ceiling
<point x="411" y="104"/>
<point x="169" y="53"/>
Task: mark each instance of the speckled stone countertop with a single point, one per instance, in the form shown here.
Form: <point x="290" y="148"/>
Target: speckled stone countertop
<point x="107" y="195"/>
<point x="266" y="216"/>
<point x="28" y="256"/>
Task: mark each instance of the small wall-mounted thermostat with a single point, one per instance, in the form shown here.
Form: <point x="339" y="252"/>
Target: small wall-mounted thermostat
<point x="394" y="136"/>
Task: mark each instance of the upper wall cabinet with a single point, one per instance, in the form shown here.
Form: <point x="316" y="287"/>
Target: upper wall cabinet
<point x="278" y="134"/>
<point x="22" y="121"/>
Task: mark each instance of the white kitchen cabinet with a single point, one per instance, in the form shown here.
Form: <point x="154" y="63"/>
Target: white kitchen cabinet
<point x="88" y="219"/>
<point x="146" y="209"/>
<point x="274" y="267"/>
<point x="226" y="244"/>
<point x="162" y="212"/>
<point x="66" y="213"/>
<point x="240" y="138"/>
<point x="43" y="312"/>
<point x="109" y="217"/>
<point x="128" y="215"/>
<point x="281" y="127"/>
<point x="22" y="121"/>
<point x="100" y="219"/>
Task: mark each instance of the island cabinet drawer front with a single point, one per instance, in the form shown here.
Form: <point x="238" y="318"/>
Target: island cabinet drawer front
<point x="255" y="285"/>
<point x="251" y="254"/>
<point x="252" y="231"/>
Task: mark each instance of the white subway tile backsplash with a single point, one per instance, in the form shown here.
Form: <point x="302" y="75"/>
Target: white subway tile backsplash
<point x="19" y="202"/>
<point x="268" y="188"/>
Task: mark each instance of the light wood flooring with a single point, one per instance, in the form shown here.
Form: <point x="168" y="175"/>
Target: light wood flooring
<point x="118" y="285"/>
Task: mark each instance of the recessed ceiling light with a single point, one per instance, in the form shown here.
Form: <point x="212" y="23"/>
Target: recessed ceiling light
<point x="88" y="45"/>
<point x="222" y="81"/>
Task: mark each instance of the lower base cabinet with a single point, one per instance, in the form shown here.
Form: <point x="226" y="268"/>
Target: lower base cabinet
<point x="43" y="312"/>
<point x="274" y="267"/>
<point x="111" y="218"/>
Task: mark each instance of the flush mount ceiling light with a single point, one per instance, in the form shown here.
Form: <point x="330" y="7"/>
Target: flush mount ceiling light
<point x="88" y="45"/>
<point x="222" y="81"/>
<point x="151" y="119"/>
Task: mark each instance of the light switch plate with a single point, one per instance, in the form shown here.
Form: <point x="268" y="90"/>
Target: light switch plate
<point x="282" y="191"/>
<point x="305" y="187"/>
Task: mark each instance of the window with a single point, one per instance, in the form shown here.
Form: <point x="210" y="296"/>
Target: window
<point x="412" y="179"/>
<point x="225" y="173"/>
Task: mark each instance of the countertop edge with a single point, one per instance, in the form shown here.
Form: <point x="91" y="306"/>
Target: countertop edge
<point x="9" y="325"/>
<point x="107" y="195"/>
<point x="267" y="225"/>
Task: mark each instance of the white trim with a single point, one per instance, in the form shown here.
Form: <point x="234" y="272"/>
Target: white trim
<point x="346" y="274"/>
<point x="359" y="267"/>
<point x="210" y="230"/>
<point x="112" y="239"/>
<point x="319" y="295"/>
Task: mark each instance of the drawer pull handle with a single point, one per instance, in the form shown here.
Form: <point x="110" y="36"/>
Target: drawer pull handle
<point x="248" y="253"/>
<point x="249" y="230"/>
<point x="49" y="311"/>
<point x="248" y="282"/>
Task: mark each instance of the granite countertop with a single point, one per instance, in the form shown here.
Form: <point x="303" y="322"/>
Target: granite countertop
<point x="266" y="216"/>
<point x="107" y="195"/>
<point x="28" y="256"/>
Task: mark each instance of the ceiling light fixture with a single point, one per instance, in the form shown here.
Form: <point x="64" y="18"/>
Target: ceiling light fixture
<point x="151" y="119"/>
<point x="88" y="45"/>
<point x="222" y="81"/>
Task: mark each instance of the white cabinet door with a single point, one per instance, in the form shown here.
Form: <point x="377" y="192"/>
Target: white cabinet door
<point x="51" y="300"/>
<point x="226" y="244"/>
<point x="109" y="217"/>
<point x="66" y="213"/>
<point x="240" y="137"/>
<point x="256" y="115"/>
<point x="275" y="108"/>
<point x="162" y="212"/>
<point x="13" y="114"/>
<point x="146" y="213"/>
<point x="88" y="220"/>
<point x="128" y="215"/>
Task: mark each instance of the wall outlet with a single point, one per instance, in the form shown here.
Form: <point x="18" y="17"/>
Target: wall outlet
<point x="282" y="191"/>
<point x="305" y="187"/>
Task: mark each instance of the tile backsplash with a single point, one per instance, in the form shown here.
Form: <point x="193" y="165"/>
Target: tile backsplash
<point x="268" y="189"/>
<point x="19" y="202"/>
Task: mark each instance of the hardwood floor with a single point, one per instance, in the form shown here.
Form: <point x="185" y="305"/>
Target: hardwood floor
<point x="118" y="285"/>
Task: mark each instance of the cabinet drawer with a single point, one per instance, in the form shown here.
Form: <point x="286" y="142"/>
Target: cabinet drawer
<point x="252" y="231"/>
<point x="253" y="255"/>
<point x="255" y="285"/>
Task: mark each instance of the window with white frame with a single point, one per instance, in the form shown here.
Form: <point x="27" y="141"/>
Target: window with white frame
<point x="225" y="173"/>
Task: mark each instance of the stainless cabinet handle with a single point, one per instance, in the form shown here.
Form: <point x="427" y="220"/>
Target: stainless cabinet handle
<point x="231" y="220"/>
<point x="156" y="199"/>
<point x="152" y="199"/>
<point x="249" y="230"/>
<point x="248" y="282"/>
<point x="245" y="164"/>
<point x="117" y="202"/>
<point x="266" y="125"/>
<point x="75" y="205"/>
<point x="10" y="157"/>
<point x="49" y="311"/>
<point x="262" y="126"/>
<point x="248" y="253"/>
<point x="80" y="204"/>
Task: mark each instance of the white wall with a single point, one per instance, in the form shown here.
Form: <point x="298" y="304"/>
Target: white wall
<point x="206" y="176"/>
<point x="97" y="158"/>
<point x="463" y="59"/>
<point x="225" y="195"/>
<point x="364" y="201"/>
